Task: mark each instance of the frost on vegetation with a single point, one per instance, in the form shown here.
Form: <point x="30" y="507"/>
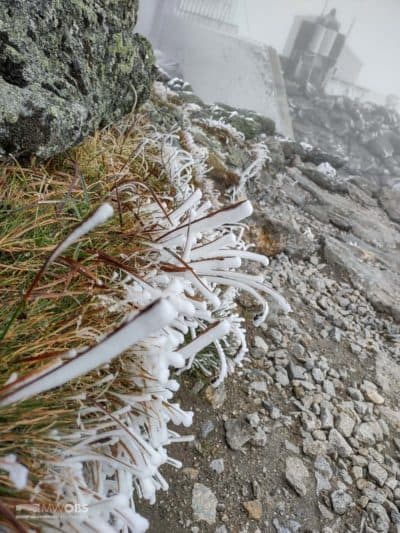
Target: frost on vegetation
<point x="18" y="473"/>
<point x="260" y="156"/>
<point x="228" y="129"/>
<point x="191" y="256"/>
<point x="327" y="169"/>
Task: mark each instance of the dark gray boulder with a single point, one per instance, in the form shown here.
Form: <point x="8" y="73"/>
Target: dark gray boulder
<point x="67" y="67"/>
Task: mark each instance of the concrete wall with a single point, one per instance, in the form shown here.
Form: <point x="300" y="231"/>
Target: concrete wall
<point x="222" y="67"/>
<point x="236" y="72"/>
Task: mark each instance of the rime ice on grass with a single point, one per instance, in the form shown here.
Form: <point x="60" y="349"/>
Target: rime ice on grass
<point x="185" y="294"/>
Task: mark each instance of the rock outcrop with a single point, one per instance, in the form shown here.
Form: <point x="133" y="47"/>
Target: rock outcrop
<point x="365" y="135"/>
<point x="306" y="201"/>
<point x="66" y="68"/>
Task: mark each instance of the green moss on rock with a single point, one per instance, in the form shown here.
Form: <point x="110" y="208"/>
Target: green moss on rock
<point x="66" y="68"/>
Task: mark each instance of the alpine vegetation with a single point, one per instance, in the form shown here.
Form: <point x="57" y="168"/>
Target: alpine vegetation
<point x="129" y="300"/>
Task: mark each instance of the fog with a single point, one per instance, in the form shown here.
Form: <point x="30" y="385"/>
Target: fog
<point x="374" y="37"/>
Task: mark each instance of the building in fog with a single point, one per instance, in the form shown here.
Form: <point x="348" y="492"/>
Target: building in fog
<point x="221" y="15"/>
<point x="313" y="50"/>
<point x="200" y="38"/>
<point x="321" y="56"/>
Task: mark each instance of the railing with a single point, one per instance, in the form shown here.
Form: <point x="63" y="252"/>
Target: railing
<point x="217" y="10"/>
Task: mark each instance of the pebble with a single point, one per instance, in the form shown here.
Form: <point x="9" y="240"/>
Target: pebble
<point x="377" y="473"/>
<point x="341" y="501"/>
<point x="329" y="387"/>
<point x="297" y="475"/>
<point x="314" y="447"/>
<point x="298" y="351"/>
<point x="326" y="416"/>
<point x="373" y="396"/>
<point x="259" y="386"/>
<point x="237" y="433"/>
<point x="260" y="438"/>
<point x="282" y="377"/>
<point x="339" y="444"/>
<point x="206" y="428"/>
<point x="323" y="484"/>
<point x="345" y="424"/>
<point x="254" y="509"/>
<point x="260" y="348"/>
<point x="275" y="335"/>
<point x="364" y="433"/>
<point x="355" y="394"/>
<point x="322" y="465"/>
<point x="204" y="504"/>
<point x="318" y="375"/>
<point x="296" y="371"/>
<point x="217" y="465"/>
<point x="292" y="447"/>
<point x="253" y="419"/>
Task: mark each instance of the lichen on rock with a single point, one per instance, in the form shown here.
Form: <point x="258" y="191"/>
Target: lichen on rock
<point x="66" y="68"/>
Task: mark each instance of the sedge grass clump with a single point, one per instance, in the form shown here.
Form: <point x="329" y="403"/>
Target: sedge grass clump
<point x="115" y="274"/>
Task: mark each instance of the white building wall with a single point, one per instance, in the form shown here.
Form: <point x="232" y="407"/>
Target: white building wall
<point x="220" y="66"/>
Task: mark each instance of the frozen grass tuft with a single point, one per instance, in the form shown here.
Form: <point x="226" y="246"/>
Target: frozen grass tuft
<point x="102" y="310"/>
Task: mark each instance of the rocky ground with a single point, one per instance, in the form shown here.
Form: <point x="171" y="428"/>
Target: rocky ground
<point x="305" y="437"/>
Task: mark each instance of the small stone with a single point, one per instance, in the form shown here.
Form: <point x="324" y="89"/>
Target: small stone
<point x="260" y="348"/>
<point x="336" y="334"/>
<point x="363" y="501"/>
<point x="339" y="443"/>
<point x="292" y="447"/>
<point x="204" y="504"/>
<point x="373" y="396"/>
<point x="275" y="335"/>
<point x="323" y="484"/>
<point x="329" y="387"/>
<point x="255" y="487"/>
<point x="254" y="509"/>
<point x="392" y="483"/>
<point x="341" y="501"/>
<point x="318" y="434"/>
<point x="206" y="428"/>
<point x="318" y="375"/>
<point x="281" y="377"/>
<point x="294" y="526"/>
<point x="325" y="512"/>
<point x="275" y="413"/>
<point x="260" y="438"/>
<point x="216" y="396"/>
<point x="259" y="386"/>
<point x="380" y="514"/>
<point x="357" y="472"/>
<point x="322" y="465"/>
<point x="369" y="433"/>
<point x="326" y="417"/>
<point x="217" y="465"/>
<point x="253" y="419"/>
<point x="377" y="473"/>
<point x="237" y="433"/>
<point x="296" y="371"/>
<point x="345" y="424"/>
<point x="298" y="352"/>
<point x="355" y="394"/>
<point x="296" y="475"/>
<point x="191" y="473"/>
<point x="314" y="447"/>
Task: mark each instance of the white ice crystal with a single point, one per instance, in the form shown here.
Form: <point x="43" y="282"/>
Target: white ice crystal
<point x="18" y="473"/>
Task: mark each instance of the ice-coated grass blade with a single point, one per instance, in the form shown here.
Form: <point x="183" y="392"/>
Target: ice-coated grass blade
<point x="152" y="318"/>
